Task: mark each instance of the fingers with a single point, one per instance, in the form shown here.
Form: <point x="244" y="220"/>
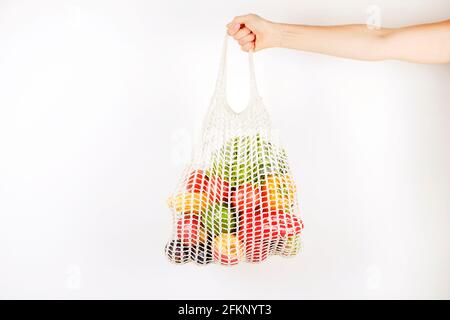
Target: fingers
<point x="238" y="22"/>
<point x="250" y="46"/>
<point x="239" y="31"/>
<point x="243" y="32"/>
<point x="233" y="28"/>
<point x="244" y="36"/>
<point x="246" y="39"/>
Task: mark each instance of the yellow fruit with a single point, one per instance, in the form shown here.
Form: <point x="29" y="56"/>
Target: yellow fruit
<point x="278" y="192"/>
<point x="192" y="202"/>
<point x="203" y="236"/>
<point x="227" y="249"/>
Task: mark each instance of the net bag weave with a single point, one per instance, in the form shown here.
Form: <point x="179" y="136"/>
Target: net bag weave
<point x="237" y="200"/>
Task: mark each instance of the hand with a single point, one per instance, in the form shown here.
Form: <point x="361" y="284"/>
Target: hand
<point x="253" y="32"/>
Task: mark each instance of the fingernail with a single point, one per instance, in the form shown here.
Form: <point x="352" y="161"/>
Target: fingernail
<point x="236" y="26"/>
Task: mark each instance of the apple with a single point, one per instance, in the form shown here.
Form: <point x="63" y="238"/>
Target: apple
<point x="246" y="198"/>
<point x="188" y="229"/>
<point x="197" y="181"/>
<point x="177" y="252"/>
<point x="227" y="249"/>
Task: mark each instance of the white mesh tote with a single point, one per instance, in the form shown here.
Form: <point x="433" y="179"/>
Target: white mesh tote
<point x="237" y="200"/>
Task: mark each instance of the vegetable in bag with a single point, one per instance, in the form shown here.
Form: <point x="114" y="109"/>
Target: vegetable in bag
<point x="237" y="200"/>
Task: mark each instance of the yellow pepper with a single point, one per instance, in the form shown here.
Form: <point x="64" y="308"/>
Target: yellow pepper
<point x="278" y="192"/>
<point x="192" y="202"/>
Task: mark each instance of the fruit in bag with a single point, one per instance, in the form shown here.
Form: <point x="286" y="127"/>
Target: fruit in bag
<point x="193" y="202"/>
<point x="202" y="253"/>
<point x="247" y="159"/>
<point x="227" y="249"/>
<point x="278" y="192"/>
<point x="237" y="200"/>
<point x="290" y="246"/>
<point x="188" y="229"/>
<point x="219" y="219"/>
<point x="257" y="251"/>
<point x="177" y="252"/>
<point x="261" y="229"/>
<point x="218" y="190"/>
<point x="246" y="198"/>
<point x="247" y="221"/>
<point x="197" y="181"/>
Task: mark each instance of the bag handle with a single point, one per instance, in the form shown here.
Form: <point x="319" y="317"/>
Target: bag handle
<point x="221" y="83"/>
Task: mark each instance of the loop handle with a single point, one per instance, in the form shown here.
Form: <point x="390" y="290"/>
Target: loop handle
<point x="221" y="83"/>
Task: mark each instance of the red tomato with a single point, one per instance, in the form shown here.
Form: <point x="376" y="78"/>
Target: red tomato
<point x="246" y="199"/>
<point x="188" y="230"/>
<point x="254" y="225"/>
<point x="225" y="259"/>
<point x="284" y="224"/>
<point x="261" y="227"/>
<point x="257" y="251"/>
<point x="218" y="190"/>
<point x="197" y="181"/>
<point x="254" y="231"/>
<point x="256" y="236"/>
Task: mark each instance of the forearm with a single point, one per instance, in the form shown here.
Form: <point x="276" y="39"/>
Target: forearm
<point x="348" y="41"/>
<point x="423" y="43"/>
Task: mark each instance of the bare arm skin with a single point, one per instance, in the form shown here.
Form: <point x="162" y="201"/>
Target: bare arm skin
<point x="425" y="43"/>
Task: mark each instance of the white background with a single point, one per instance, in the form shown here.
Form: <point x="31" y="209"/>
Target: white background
<point x="100" y="102"/>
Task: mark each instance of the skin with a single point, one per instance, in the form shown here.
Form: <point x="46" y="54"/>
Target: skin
<point x="424" y="43"/>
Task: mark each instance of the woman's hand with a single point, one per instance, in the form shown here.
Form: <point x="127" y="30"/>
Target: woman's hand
<point x="253" y="32"/>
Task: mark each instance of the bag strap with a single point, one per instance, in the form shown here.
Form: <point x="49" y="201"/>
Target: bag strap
<point x="221" y="83"/>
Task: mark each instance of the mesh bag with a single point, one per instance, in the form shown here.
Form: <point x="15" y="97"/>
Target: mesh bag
<point x="237" y="200"/>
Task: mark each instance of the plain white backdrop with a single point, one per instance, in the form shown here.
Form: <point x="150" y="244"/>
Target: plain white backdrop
<point x="100" y="104"/>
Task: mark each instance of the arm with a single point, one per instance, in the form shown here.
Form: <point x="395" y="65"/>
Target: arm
<point x="426" y="43"/>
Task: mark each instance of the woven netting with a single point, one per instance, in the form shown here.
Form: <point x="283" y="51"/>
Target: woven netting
<point x="237" y="200"/>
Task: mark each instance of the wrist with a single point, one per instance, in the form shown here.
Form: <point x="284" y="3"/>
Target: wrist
<point x="275" y="35"/>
